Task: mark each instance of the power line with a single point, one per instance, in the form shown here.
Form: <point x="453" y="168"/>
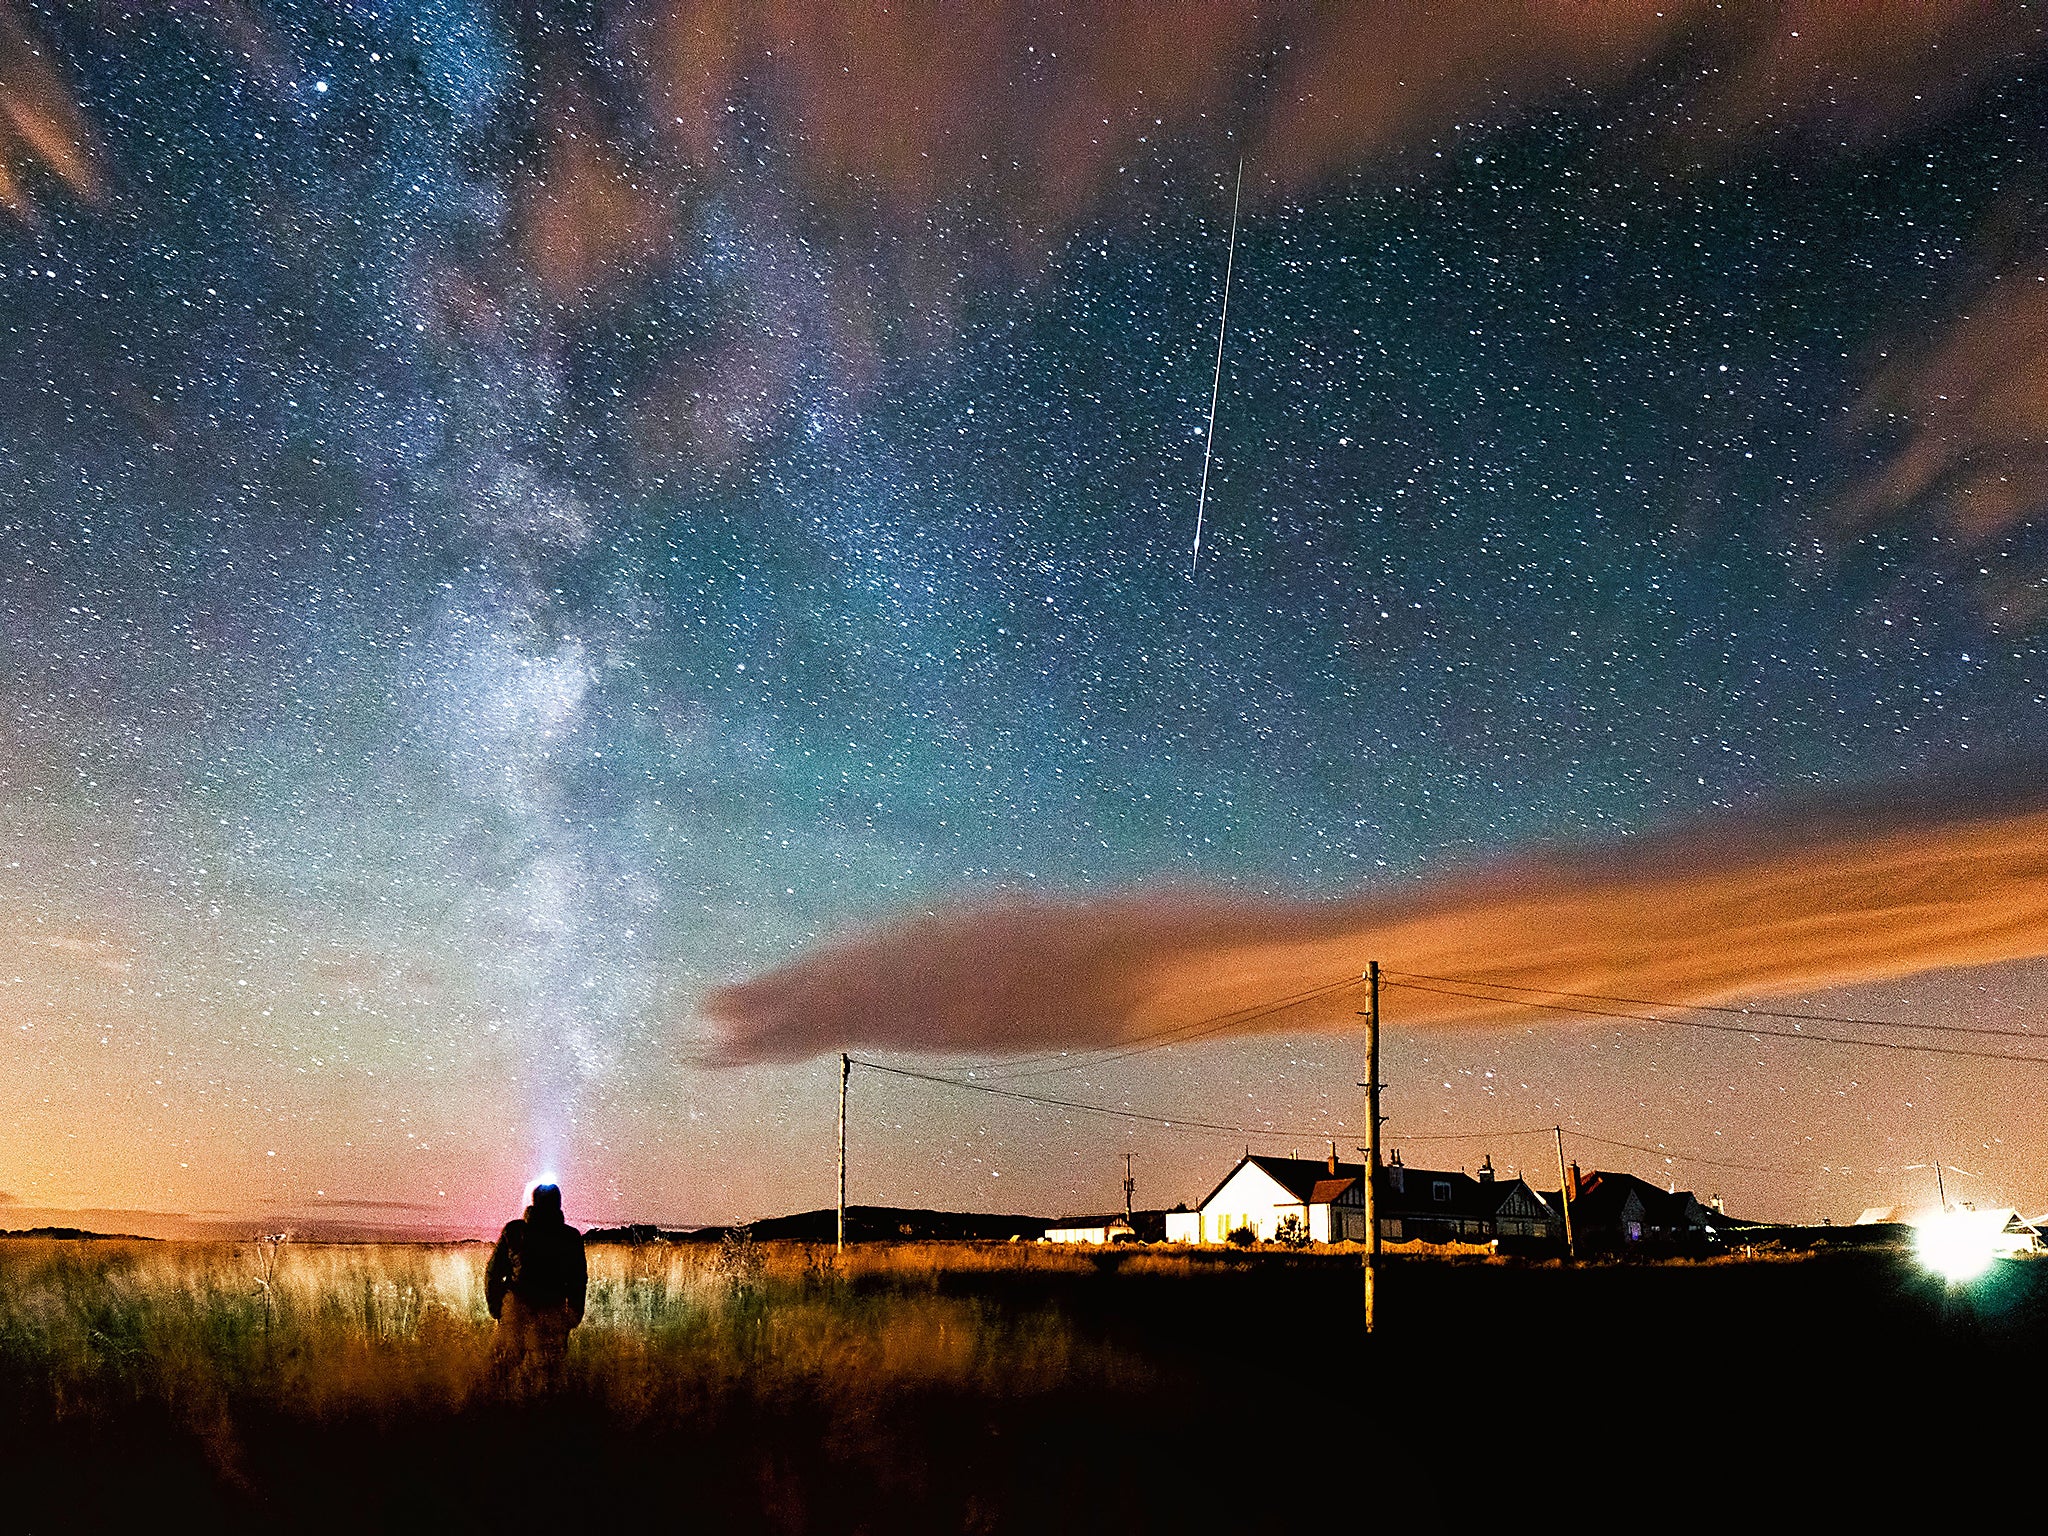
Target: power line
<point x="1049" y="1063"/>
<point x="1457" y="987"/>
<point x="1605" y="1141"/>
<point x="1187" y="1034"/>
<point x="1286" y="1133"/>
<point x="1534" y="1130"/>
<point x="1158" y="1039"/>
<point x="1743" y="1011"/>
<point x="1688" y="1157"/>
<point x="1578" y="1011"/>
<point x="1172" y="1122"/>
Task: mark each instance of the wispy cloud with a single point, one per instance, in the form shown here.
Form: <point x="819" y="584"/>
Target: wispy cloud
<point x="97" y="953"/>
<point x="926" y="108"/>
<point x="1960" y="417"/>
<point x="1739" y="907"/>
<point x="43" y="134"/>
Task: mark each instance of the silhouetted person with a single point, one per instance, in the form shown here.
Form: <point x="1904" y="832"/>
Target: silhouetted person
<point x="535" y="1289"/>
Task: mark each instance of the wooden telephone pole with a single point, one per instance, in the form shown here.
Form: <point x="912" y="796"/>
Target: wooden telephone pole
<point x="1564" y="1195"/>
<point x="1370" y="1178"/>
<point x="845" y="1070"/>
<point x="1130" y="1187"/>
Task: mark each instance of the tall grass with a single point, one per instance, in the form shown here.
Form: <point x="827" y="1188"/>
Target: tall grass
<point x="208" y="1331"/>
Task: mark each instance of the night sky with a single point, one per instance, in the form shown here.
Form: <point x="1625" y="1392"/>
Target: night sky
<point x="511" y="522"/>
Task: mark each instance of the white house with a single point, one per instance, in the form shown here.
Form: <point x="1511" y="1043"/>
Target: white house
<point x="1262" y="1192"/>
<point x="1415" y="1204"/>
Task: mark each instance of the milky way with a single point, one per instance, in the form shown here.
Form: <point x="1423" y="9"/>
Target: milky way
<point x="512" y="525"/>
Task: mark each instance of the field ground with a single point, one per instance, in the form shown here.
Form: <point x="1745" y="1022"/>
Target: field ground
<point x="975" y="1386"/>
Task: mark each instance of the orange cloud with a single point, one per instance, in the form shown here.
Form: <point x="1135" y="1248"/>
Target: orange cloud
<point x="587" y="216"/>
<point x="923" y="108"/>
<point x="1734" y="908"/>
<point x="1968" y="413"/>
<point x="1375" y="79"/>
<point x="920" y="107"/>
<point x="1848" y="74"/>
<point x="42" y="131"/>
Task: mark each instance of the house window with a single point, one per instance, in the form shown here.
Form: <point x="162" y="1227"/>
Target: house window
<point x="1440" y="1189"/>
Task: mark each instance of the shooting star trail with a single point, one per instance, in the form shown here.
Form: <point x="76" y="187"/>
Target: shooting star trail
<point x="1216" y="386"/>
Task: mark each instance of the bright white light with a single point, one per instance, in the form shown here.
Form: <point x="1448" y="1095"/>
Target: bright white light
<point x="1960" y="1245"/>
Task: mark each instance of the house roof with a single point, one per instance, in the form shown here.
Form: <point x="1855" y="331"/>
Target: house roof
<point x="1310" y="1181"/>
<point x="1504" y="1189"/>
<point x="1602" y="1195"/>
<point x="1297" y="1175"/>
<point x="1463" y="1195"/>
<point x="1300" y="1176"/>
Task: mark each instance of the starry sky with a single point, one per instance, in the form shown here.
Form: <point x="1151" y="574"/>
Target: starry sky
<point x="514" y="519"/>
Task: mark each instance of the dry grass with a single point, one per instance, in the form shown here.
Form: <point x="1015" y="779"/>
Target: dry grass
<point x="328" y="1329"/>
<point x="942" y="1387"/>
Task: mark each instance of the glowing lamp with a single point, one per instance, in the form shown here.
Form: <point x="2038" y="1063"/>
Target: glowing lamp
<point x="1959" y="1245"/>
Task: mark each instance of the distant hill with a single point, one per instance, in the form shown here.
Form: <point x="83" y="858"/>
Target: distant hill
<point x="221" y="1227"/>
<point x="78" y="1234"/>
<point x="864" y="1224"/>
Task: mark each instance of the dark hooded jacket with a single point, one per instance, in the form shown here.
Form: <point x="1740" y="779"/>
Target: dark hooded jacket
<point x="539" y="1259"/>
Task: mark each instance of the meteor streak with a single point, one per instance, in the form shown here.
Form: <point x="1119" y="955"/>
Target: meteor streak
<point x="1216" y="387"/>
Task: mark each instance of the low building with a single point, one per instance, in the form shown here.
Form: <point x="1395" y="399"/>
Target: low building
<point x="1091" y="1229"/>
<point x="1999" y="1230"/>
<point x="1435" y="1206"/>
<point x="1619" y="1212"/>
<point x="1322" y="1201"/>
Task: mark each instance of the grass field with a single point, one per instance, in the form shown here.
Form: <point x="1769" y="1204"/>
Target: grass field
<point x="937" y="1386"/>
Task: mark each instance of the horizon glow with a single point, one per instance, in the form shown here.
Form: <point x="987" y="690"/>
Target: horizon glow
<point x="515" y="524"/>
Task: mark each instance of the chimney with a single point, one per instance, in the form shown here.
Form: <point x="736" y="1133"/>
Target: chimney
<point x="1333" y="1157"/>
<point x="1486" y="1169"/>
<point x="1572" y="1181"/>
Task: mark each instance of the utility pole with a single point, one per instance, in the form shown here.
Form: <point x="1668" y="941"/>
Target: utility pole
<point x="1370" y="1176"/>
<point x="1130" y="1185"/>
<point x="845" y="1071"/>
<point x="1564" y="1195"/>
<point x="1940" y="1189"/>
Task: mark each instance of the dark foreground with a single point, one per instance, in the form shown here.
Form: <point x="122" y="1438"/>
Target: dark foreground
<point x="1231" y="1392"/>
